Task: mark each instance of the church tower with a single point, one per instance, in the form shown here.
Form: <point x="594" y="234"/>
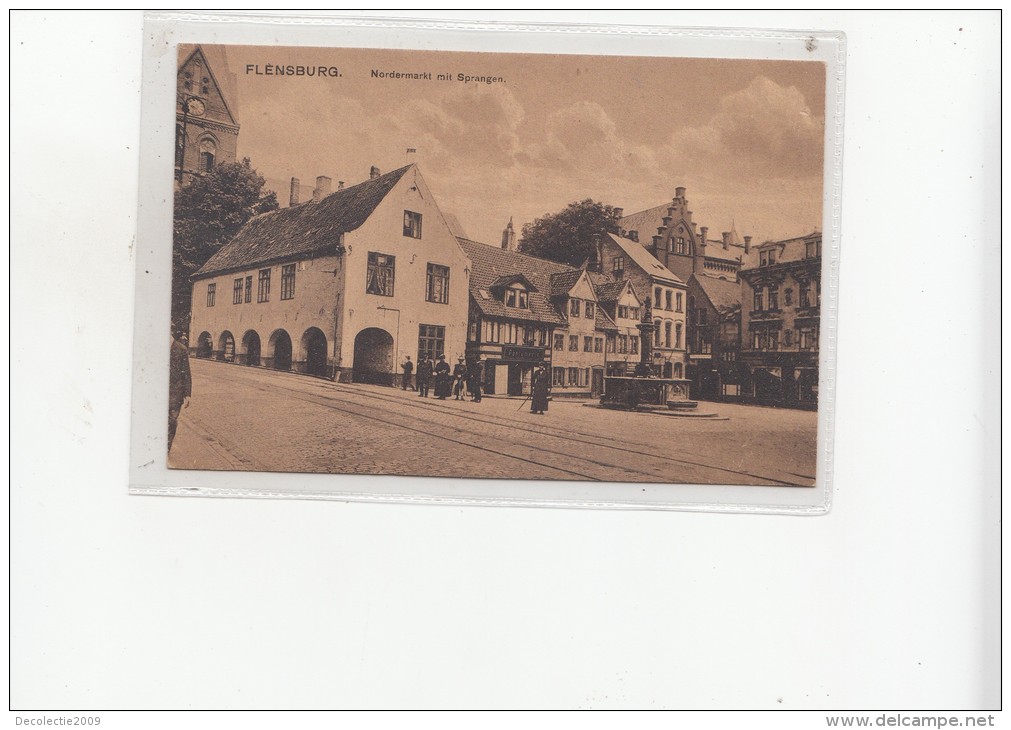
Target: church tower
<point x="509" y="237"/>
<point x="206" y="128"/>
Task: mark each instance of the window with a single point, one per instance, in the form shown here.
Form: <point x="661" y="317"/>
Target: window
<point x="249" y="289"/>
<point x="633" y="313"/>
<point x="412" y="224"/>
<point x="379" y="280"/>
<point x="619" y="264"/>
<point x="680" y="304"/>
<point x="210" y="294"/>
<point x="788" y="338"/>
<point x="437" y="288"/>
<point x="587" y="344"/>
<point x="288" y="281"/>
<point x="656" y="333"/>
<point x="666" y="333"/>
<point x="589" y="310"/>
<point x="598" y="344"/>
<point x="516" y="298"/>
<point x="677" y="335"/>
<point x="812" y="249"/>
<point x="263" y="286"/>
<point x="207" y="151"/>
<point x="702" y="317"/>
<point x="237" y="291"/>
<point x="622" y="312"/>
<point x="656" y="297"/>
<point x="788" y="296"/>
<point x="633" y="342"/>
<point x="558" y="377"/>
<point x="573" y="343"/>
<point x="773" y="297"/>
<point x="679" y="246"/>
<point x="492" y="330"/>
<point x="431" y="340"/>
<point x="622" y="344"/>
<point x="573" y="307"/>
<point x="758" y="300"/>
<point x="773" y="340"/>
<point x="807" y="338"/>
<point x="805" y="294"/>
<point x="610" y="343"/>
<point x="767" y="258"/>
<point x="669" y="300"/>
<point x="559" y="342"/>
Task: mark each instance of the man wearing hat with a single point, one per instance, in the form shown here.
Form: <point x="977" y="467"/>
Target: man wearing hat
<point x="459" y="378"/>
<point x="442" y="380"/>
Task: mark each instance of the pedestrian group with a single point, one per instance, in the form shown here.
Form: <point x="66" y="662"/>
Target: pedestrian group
<point x="464" y="379"/>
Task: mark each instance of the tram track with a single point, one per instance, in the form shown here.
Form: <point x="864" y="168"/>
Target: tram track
<point x="356" y="399"/>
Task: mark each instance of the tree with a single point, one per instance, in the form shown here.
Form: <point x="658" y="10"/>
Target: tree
<point x="209" y="211"/>
<point x="567" y="236"/>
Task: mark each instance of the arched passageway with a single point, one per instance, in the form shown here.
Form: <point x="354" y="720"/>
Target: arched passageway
<point x="226" y="347"/>
<point x="373" y="361"/>
<point x="250" y="349"/>
<point x="205" y="346"/>
<point x="280" y="349"/>
<point x="314" y="351"/>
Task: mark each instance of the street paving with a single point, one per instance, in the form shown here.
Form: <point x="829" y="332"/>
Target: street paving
<point x="251" y="419"/>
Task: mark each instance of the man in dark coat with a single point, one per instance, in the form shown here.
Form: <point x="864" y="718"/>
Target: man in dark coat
<point x="539" y="393"/>
<point x="180" y="385"/>
<point x="442" y="379"/>
<point x="476" y="373"/>
<point x="408" y="368"/>
<point x="459" y="379"/>
<point x="424" y="376"/>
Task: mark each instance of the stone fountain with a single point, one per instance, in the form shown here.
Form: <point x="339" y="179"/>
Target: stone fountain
<point x="645" y="389"/>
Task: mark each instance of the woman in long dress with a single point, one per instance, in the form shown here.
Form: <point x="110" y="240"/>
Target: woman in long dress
<point x="443" y="382"/>
<point x="539" y="394"/>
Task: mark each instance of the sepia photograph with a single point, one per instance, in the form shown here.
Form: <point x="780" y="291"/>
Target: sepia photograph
<point x="497" y="265"/>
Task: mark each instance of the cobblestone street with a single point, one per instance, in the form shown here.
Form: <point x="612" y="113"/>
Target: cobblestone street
<point x="252" y="419"/>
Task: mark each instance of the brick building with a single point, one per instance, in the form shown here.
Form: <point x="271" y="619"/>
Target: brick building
<point x="780" y="320"/>
<point x="344" y="285"/>
<point x="207" y="129"/>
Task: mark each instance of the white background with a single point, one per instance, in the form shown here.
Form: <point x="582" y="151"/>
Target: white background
<point x="890" y="601"/>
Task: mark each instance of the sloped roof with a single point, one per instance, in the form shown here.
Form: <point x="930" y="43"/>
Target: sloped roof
<point x="644" y="259"/>
<point x="302" y="229"/>
<point x="724" y="295"/>
<point x="610" y="291"/>
<point x="491" y="263"/>
<point x="563" y="281"/>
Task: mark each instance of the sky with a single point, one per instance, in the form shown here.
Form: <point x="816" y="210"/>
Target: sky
<point x="744" y="137"/>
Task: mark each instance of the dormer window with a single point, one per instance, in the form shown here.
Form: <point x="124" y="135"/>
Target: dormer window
<point x="573" y="307"/>
<point x="516" y="298"/>
<point x="812" y="249"/>
<point x="767" y="258"/>
<point x="589" y="312"/>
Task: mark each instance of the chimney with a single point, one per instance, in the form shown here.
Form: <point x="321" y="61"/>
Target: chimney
<point x="293" y="194"/>
<point x="726" y="240"/>
<point x="340" y="184"/>
<point x="619" y="212"/>
<point x="509" y="237"/>
<point x="373" y="172"/>
<point x="634" y="235"/>
<point x="747" y="244"/>
<point x="322" y="188"/>
<point x="699" y="255"/>
<point x="679" y="193"/>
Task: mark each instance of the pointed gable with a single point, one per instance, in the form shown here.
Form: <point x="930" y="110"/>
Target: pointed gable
<point x="196" y="78"/>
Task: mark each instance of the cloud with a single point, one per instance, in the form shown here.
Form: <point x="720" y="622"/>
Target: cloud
<point x="764" y="129"/>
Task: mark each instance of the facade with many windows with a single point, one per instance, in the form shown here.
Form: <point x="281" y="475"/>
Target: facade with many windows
<point x="346" y="284"/>
<point x="780" y="322"/>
